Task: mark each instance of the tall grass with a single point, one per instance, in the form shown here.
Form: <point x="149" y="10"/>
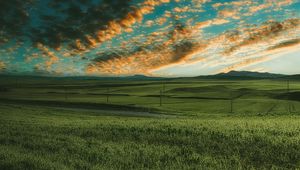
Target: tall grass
<point x="39" y="138"/>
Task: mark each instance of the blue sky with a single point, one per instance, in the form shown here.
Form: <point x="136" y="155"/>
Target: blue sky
<point x="150" y="37"/>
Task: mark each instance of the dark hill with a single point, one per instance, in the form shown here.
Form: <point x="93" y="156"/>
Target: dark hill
<point x="244" y="75"/>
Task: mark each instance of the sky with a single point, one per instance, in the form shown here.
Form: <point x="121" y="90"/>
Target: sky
<point x="167" y="38"/>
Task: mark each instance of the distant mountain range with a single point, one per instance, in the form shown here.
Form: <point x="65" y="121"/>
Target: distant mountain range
<point x="229" y="75"/>
<point x="50" y="77"/>
<point x="250" y="74"/>
<point x="247" y="74"/>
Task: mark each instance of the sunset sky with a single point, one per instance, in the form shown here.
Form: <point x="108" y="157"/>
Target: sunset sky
<point x="150" y="37"/>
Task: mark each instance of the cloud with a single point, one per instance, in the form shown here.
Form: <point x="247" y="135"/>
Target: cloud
<point x="136" y="37"/>
<point x="177" y="48"/>
<point x="211" y="22"/>
<point x="266" y="32"/>
<point x="233" y="4"/>
<point x="14" y="15"/>
<point x="244" y="63"/>
<point x="141" y="62"/>
<point x="52" y="58"/>
<point x="229" y="13"/>
<point x="81" y="24"/>
<point x="246" y="46"/>
<point x="288" y="43"/>
<point x="182" y="47"/>
<point x="254" y="9"/>
<point x="67" y="23"/>
<point x="261" y="57"/>
<point x="275" y="4"/>
<point x="116" y="27"/>
<point x="180" y="10"/>
<point x="249" y="7"/>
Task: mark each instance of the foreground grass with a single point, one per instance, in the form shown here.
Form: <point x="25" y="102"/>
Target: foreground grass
<point x="40" y="138"/>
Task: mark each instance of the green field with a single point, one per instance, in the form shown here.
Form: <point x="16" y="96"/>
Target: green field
<point x="154" y="124"/>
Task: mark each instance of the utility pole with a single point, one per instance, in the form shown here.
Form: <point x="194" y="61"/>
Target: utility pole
<point x="160" y="98"/>
<point x="231" y="102"/>
<point x="17" y="82"/>
<point x="107" y="95"/>
<point x="66" y="93"/>
<point x="288" y="86"/>
<point x="161" y="92"/>
<point x="288" y="94"/>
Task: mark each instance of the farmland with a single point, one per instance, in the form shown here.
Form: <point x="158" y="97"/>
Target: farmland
<point x="187" y="123"/>
<point x="177" y="96"/>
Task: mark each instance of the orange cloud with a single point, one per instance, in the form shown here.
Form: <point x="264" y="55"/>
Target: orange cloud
<point x="144" y="60"/>
<point x="141" y="62"/>
<point x="161" y="20"/>
<point x="115" y="28"/>
<point x="91" y="41"/>
<point x="285" y="44"/>
<point x="265" y="55"/>
<point x="284" y="2"/>
<point x="208" y="23"/>
<point x="229" y="13"/>
<point x="180" y="10"/>
<point x="265" y="32"/>
<point x="233" y="4"/>
<point x="217" y="5"/>
<point x="254" y="9"/>
<point x="149" y="23"/>
<point x="175" y="50"/>
<point x="172" y="52"/>
<point x="31" y="57"/>
<point x="269" y="3"/>
<point x="245" y="46"/>
<point x="52" y="58"/>
<point x="244" y="63"/>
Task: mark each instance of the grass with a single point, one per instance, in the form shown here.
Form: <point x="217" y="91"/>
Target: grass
<point x="53" y="124"/>
<point x="180" y="96"/>
<point x="39" y="138"/>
